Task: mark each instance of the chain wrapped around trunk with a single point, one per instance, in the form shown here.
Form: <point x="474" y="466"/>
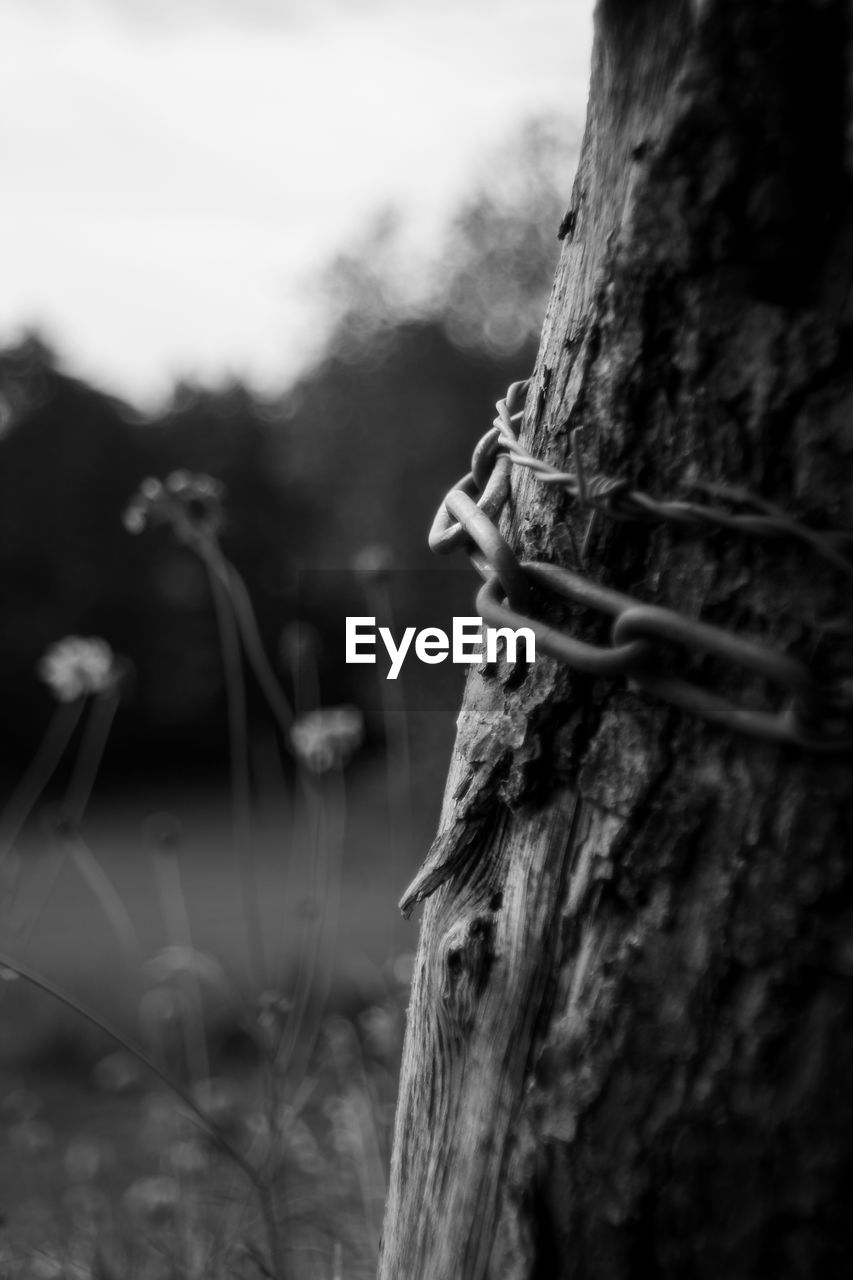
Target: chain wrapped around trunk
<point x="814" y="714"/>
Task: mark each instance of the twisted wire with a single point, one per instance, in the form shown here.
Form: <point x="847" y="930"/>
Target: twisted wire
<point x="818" y="712"/>
<point x="615" y="497"/>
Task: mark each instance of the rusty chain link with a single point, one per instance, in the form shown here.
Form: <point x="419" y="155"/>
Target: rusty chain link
<point x="815" y="716"/>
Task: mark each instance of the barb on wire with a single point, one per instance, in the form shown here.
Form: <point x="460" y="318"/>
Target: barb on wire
<point x="815" y="715"/>
<point x="616" y="498"/>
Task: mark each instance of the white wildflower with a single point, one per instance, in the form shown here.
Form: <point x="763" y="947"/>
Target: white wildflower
<point x="75" y="666"/>
<point x="403" y="968"/>
<point x="380" y="1030"/>
<point x="187" y="1158"/>
<point x="33" y="1137"/>
<point x="221" y="1102"/>
<point x="155" y="1199"/>
<point x="191" y="502"/>
<point x="274" y="1008"/>
<point x="303" y="1147"/>
<point x="161" y="1008"/>
<point x="118" y="1073"/>
<point x="21" y="1104"/>
<point x="172" y="961"/>
<point x="326" y="739"/>
<point x="179" y="481"/>
<point x="84" y="1159"/>
<point x="135" y="516"/>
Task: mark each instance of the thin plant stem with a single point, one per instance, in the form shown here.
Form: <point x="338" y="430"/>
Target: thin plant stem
<point x="305" y="677"/>
<point x="90" y="755"/>
<point x="239" y="751"/>
<point x="229" y="1224"/>
<point x="73" y="808"/>
<point x="332" y="813"/>
<point x="267" y="1203"/>
<point x="59" y="732"/>
<point x="312" y="809"/>
<point x="107" y="895"/>
<point x="272" y="786"/>
<point x="397" y="750"/>
<point x="306" y="683"/>
<point x="256" y="656"/>
<point x="220" y="567"/>
<point x="173" y="906"/>
<point x="44" y="984"/>
<point x="74" y="804"/>
<point x="255" y="652"/>
<point x="268" y="682"/>
<point x="308" y="955"/>
<point x="369" y="1168"/>
<point x="23" y="932"/>
<point x="225" y="572"/>
<point x="262" y="1187"/>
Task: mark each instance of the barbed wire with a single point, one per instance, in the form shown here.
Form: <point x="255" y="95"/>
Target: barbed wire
<point x="617" y="499"/>
<point x="817" y="714"/>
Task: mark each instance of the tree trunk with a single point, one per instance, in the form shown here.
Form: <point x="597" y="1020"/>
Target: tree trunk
<point x="630" y="1040"/>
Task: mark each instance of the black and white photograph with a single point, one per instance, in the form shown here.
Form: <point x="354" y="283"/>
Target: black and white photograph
<point x="426" y="640"/>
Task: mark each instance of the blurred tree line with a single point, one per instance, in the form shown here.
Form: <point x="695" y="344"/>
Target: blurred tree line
<point x="358" y="453"/>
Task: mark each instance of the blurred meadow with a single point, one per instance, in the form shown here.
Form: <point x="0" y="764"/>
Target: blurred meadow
<point x="206" y="817"/>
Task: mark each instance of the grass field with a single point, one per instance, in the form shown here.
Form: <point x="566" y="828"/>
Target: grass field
<point x="104" y="1171"/>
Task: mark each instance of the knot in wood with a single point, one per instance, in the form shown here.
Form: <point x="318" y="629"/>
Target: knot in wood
<point x="465" y="956"/>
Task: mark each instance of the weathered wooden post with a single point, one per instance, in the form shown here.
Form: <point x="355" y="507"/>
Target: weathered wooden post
<point x="630" y="1040"/>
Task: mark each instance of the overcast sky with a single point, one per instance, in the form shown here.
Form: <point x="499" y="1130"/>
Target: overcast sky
<point x="175" y="172"/>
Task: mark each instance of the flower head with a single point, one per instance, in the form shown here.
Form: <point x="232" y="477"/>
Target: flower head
<point x="273" y="1011"/>
<point x="176" y="962"/>
<point x="221" y="1102"/>
<point x="156" y="1199"/>
<point x="325" y="739"/>
<point x="189" y="501"/>
<point x="76" y="666"/>
<point x="118" y="1073"/>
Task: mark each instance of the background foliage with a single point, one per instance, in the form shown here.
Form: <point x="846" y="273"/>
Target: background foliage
<point x="357" y="453"/>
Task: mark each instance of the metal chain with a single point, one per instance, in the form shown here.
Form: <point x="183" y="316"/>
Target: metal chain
<point x="816" y="715"/>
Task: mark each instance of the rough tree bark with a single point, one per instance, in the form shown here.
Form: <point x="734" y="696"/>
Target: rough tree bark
<point x="630" y="1040"/>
